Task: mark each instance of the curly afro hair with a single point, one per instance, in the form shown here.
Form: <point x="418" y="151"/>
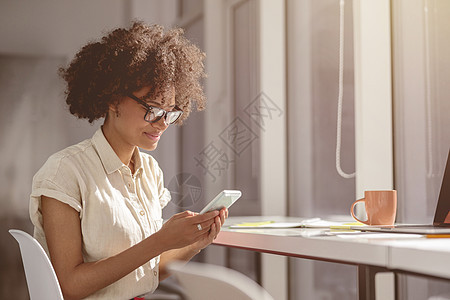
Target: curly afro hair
<point x="126" y="60"/>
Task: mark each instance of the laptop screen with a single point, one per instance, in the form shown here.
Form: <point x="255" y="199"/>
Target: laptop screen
<point x="442" y="215"/>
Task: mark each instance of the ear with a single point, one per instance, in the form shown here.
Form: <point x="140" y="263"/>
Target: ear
<point x="113" y="109"/>
<point x="113" y="106"/>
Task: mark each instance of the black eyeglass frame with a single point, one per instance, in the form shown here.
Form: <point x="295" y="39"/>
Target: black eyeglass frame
<point x="150" y="108"/>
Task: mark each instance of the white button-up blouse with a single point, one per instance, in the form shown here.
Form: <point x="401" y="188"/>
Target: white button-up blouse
<point x="117" y="209"/>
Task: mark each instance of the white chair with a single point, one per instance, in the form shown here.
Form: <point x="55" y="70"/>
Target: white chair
<point x="41" y="278"/>
<point x="210" y="282"/>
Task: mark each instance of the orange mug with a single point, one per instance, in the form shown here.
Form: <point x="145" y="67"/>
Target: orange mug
<point x="381" y="207"/>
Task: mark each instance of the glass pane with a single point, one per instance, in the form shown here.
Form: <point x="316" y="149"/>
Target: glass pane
<point x="421" y="62"/>
<point x="315" y="186"/>
<point x="422" y="126"/>
<point x="313" y="111"/>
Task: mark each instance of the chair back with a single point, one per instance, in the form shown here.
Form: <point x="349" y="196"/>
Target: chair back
<point x="211" y="282"/>
<point x="41" y="277"/>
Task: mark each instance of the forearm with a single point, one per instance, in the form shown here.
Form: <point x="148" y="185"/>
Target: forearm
<point x="186" y="253"/>
<point x="79" y="279"/>
<point x="182" y="254"/>
<point x="88" y="278"/>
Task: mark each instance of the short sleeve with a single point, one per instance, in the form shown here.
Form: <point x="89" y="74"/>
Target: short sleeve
<point x="55" y="180"/>
<point x="51" y="190"/>
<point x="164" y="197"/>
<point x="164" y="194"/>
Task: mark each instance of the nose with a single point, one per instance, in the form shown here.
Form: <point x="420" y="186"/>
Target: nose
<point x="160" y="124"/>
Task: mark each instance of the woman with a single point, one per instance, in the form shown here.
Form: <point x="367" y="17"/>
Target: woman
<point x="96" y="206"/>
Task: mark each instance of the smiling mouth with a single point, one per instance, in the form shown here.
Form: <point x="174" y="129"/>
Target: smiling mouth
<point x="153" y="137"/>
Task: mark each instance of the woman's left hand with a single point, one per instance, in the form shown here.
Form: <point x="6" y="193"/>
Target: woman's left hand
<point x="209" y="236"/>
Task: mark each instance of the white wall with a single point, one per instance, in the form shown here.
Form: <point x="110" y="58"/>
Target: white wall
<point x="56" y="28"/>
<point x="37" y="38"/>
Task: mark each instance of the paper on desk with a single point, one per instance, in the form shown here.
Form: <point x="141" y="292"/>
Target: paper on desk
<point x="273" y="224"/>
<point x="307" y="223"/>
<point x="265" y="225"/>
<point x="332" y="225"/>
<point x="376" y="235"/>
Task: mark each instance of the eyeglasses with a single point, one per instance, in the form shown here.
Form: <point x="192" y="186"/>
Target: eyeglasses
<point x="154" y="114"/>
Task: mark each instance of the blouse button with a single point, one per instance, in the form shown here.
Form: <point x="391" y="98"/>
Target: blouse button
<point x="129" y="184"/>
<point x="155" y="273"/>
<point x="142" y="212"/>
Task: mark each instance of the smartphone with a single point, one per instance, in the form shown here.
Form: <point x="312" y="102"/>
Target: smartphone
<point x="225" y="199"/>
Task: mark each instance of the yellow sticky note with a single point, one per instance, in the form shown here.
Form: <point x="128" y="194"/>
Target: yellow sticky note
<point x="346" y="225"/>
<point x="254" y="224"/>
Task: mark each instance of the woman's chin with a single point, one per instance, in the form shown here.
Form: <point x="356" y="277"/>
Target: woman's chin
<point x="149" y="146"/>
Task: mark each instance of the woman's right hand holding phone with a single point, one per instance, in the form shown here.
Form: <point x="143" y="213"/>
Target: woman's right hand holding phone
<point x="185" y="228"/>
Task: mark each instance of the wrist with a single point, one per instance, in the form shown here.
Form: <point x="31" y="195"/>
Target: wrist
<point x="193" y="249"/>
<point x="159" y="241"/>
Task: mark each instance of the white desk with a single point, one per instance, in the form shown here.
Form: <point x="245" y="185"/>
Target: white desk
<point x="371" y="252"/>
<point x="429" y="257"/>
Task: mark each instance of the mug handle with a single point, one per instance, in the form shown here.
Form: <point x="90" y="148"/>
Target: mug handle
<point x="353" y="214"/>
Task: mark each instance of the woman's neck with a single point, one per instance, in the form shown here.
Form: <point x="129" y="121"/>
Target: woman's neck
<point x="123" y="150"/>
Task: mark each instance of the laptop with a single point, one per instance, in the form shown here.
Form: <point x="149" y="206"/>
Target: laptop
<point x="441" y="222"/>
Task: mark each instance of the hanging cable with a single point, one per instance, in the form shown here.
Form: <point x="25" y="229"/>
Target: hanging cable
<point x="340" y="93"/>
<point x="430" y="169"/>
